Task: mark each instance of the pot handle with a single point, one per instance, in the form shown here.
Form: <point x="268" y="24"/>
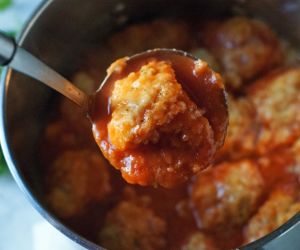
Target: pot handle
<point x="7" y="49"/>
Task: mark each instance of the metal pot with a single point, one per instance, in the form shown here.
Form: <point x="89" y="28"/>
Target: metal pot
<point x="59" y="33"/>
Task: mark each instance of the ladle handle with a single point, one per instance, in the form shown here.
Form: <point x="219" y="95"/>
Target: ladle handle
<point x="19" y="59"/>
<point x="7" y="49"/>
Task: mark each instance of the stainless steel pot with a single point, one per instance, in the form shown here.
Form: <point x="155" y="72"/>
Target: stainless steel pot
<point x="59" y="33"/>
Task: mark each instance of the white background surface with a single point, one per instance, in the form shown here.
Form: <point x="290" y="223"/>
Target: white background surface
<point x="17" y="217"/>
<point x="13" y="18"/>
<point x="21" y="227"/>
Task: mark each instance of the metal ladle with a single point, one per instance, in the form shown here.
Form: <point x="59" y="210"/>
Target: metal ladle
<point x="210" y="96"/>
<point x="20" y="60"/>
